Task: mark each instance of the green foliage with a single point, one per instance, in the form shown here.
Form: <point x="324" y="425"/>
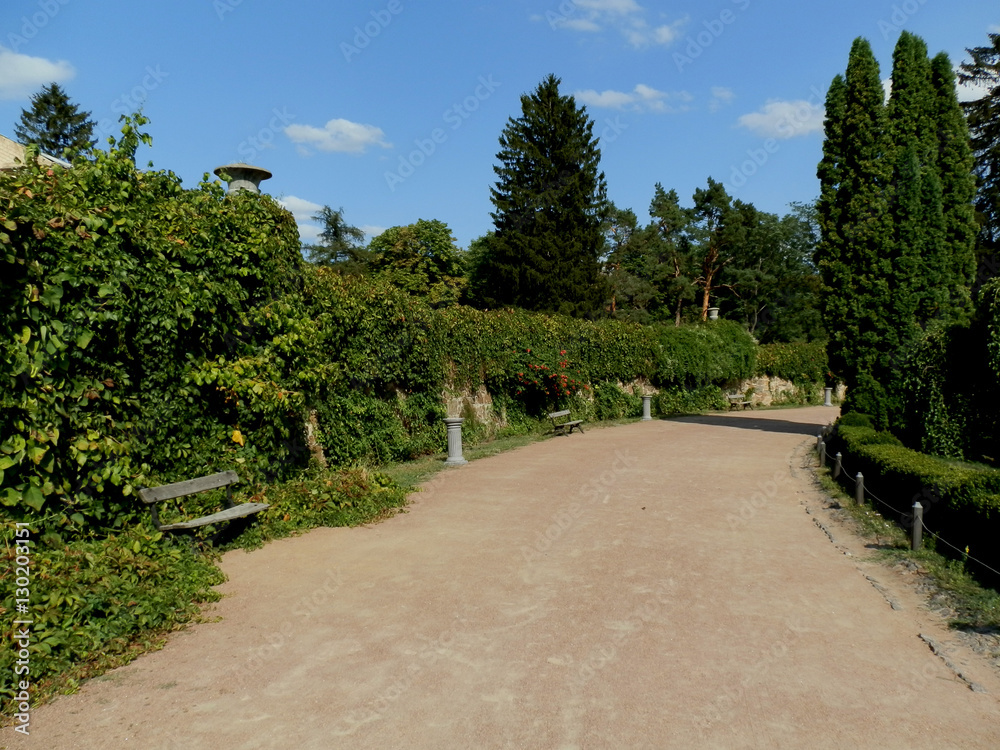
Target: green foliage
<point x="421" y="259"/>
<point x="611" y="402"/>
<point x="55" y="124"/>
<point x="340" y="244"/>
<point x="91" y="600"/>
<point x="799" y="363"/>
<point x="895" y="209"/>
<point x="550" y="200"/>
<point x="961" y="501"/>
<point x="673" y="401"/>
<point x="694" y="356"/>
<point x="983" y="115"/>
<point x="132" y="303"/>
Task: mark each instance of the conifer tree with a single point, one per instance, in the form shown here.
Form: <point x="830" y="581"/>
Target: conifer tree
<point x="956" y="170"/>
<point x="55" y="124"/>
<point x="984" y="125"/>
<point x="854" y="253"/>
<point x="550" y="200"/>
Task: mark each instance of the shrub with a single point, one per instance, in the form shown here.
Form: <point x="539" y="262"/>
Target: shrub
<point x="797" y="362"/>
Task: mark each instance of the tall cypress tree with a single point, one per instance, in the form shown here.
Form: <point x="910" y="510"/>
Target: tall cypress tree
<point x="551" y="201"/>
<point x="55" y="123"/>
<point x="854" y="258"/>
<point x="918" y="252"/>
<point x="956" y="169"/>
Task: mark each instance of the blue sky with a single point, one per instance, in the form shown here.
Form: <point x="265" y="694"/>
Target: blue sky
<point x="392" y="109"/>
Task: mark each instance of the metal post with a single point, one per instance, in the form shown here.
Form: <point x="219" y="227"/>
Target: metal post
<point x="918" y="526"/>
<point x="646" y="416"/>
<point x="455" y="457"/>
<point x="836" y="465"/>
<point x="822" y="453"/>
<point x="859" y="489"/>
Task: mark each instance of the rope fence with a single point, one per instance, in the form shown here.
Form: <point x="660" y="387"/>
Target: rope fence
<point x="861" y="492"/>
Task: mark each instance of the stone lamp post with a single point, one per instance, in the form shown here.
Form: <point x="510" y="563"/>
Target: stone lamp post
<point x="243" y="176"/>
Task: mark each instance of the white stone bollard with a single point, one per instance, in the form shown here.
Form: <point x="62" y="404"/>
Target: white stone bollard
<point x="455" y="457"/>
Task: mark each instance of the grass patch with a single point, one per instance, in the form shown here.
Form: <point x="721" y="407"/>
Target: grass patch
<point x="976" y="607"/>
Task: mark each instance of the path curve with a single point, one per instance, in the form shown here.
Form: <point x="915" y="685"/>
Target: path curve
<point x="654" y="585"/>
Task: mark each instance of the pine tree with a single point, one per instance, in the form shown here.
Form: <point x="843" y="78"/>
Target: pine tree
<point x="340" y="245"/>
<point x="55" y="124"/>
<point x="550" y="200"/>
<point x="984" y="125"/>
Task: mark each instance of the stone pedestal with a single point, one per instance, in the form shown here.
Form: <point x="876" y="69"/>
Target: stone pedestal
<point x="827" y="396"/>
<point x="455" y="457"/>
<point x="646" y="416"/>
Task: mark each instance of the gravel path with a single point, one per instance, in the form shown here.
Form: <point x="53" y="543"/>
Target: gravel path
<point x="671" y="584"/>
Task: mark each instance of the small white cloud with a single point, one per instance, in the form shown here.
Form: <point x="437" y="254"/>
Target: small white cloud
<point x="721" y="96"/>
<point x="785" y="119"/>
<point x="300" y="208"/>
<point x="627" y="16"/>
<point x="338" y="135"/>
<point x="641" y="98"/>
<point x="622" y="7"/>
<point x="640" y="34"/>
<point x="994" y="28"/>
<point x="372" y="231"/>
<point x="605" y="99"/>
<point x="309" y="233"/>
<point x="22" y="75"/>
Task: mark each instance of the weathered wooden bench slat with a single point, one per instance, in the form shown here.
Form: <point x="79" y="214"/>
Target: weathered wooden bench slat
<point x="559" y="427"/>
<point x="188" y="487"/>
<point x="237" y="511"/>
<point x="153" y="495"/>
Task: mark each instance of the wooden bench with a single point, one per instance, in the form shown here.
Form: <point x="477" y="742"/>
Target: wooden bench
<point x="560" y="428"/>
<point x="153" y="495"/>
<point x="737" y="400"/>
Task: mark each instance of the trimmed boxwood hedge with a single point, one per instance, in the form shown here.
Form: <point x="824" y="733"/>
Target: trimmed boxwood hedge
<point x="961" y="500"/>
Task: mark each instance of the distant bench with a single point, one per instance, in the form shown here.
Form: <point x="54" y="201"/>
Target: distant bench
<point x="153" y="495"/>
<point x="563" y="426"/>
<point x="736" y="400"/>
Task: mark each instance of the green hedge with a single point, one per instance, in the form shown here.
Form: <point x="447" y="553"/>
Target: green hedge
<point x="798" y="362"/>
<point x="961" y="500"/>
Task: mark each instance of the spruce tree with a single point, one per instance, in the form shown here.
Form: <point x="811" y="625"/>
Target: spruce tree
<point x="55" y="124"/>
<point x="550" y="200"/>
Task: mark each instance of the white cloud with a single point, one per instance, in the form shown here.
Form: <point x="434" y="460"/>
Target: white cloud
<point x="640" y="99"/>
<point x="721" y="95"/>
<point x="785" y="119"/>
<point x="338" y="135"/>
<point x="300" y="208"/>
<point x="372" y="231"/>
<point x="994" y="28"/>
<point x="626" y="16"/>
<point x="22" y="75"/>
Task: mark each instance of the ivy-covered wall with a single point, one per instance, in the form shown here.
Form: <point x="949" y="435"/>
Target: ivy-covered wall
<point x="158" y="333"/>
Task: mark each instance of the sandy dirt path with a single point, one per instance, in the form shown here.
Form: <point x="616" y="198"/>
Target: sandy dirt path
<point x="654" y="585"/>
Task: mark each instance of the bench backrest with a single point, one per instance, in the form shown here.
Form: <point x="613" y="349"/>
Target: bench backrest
<point x="188" y="487"/>
<point x="563" y="413"/>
